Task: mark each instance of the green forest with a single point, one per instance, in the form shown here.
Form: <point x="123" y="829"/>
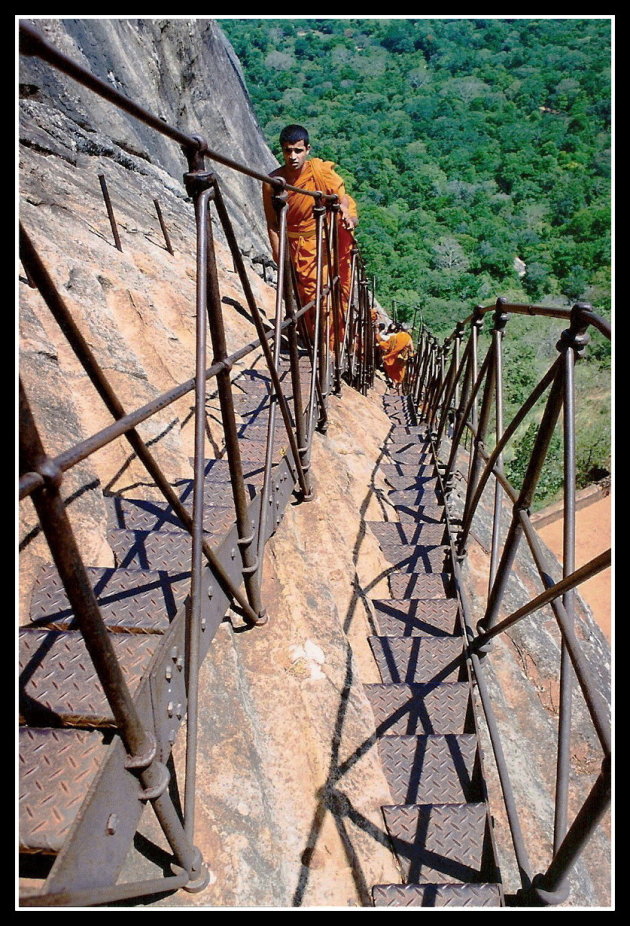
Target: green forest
<point x="479" y="154"/>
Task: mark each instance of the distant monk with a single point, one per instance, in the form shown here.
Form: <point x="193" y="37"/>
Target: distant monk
<point x="310" y="174"/>
<point x="397" y="349"/>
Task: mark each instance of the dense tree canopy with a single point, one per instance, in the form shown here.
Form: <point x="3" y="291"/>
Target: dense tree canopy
<point x="490" y="135"/>
<point x="478" y="151"/>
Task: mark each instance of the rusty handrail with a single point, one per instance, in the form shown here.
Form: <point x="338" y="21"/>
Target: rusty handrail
<point x="38" y="469"/>
<point x="434" y="397"/>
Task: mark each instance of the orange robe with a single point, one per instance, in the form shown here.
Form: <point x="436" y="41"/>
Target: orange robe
<point x="393" y="347"/>
<point x="316" y="175"/>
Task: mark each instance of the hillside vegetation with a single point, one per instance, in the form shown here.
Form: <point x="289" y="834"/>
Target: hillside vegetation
<point x="478" y="151"/>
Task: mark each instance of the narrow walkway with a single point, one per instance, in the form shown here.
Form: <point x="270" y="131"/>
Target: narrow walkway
<point x="439" y="824"/>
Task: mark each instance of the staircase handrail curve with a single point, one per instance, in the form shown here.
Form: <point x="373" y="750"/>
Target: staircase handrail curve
<point x="38" y="470"/>
<point x="435" y="399"/>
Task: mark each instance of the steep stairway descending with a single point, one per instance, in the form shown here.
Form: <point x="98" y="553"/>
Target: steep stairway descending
<point x="67" y="736"/>
<point x="439" y="824"/>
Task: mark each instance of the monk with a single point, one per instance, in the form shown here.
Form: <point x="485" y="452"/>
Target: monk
<point x="308" y="173"/>
<point x="397" y="349"/>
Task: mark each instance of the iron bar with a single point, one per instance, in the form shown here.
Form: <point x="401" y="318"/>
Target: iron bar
<point x="469" y="394"/>
<point x="348" y="338"/>
<point x="167" y="240"/>
<point x="570" y="581"/>
<point x="265" y="497"/>
<point x="552" y="887"/>
<point x="110" y="211"/>
<point x="256" y="316"/>
<point x="85" y="356"/>
<point x="336" y="304"/>
<point x="501" y="318"/>
<point x="593" y="700"/>
<point x="530" y="481"/>
<point x="568" y="600"/>
<point x="105" y="895"/>
<point x="452" y="380"/>
<point x="251" y="562"/>
<point x="193" y="615"/>
<point x="480" y="431"/>
<point x="319" y="211"/>
<point x="498" y="449"/>
<point x="84" y="449"/>
<point x="302" y="450"/>
<point x="139" y="744"/>
<point x="518" y="842"/>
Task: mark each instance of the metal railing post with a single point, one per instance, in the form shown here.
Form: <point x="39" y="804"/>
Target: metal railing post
<point x="532" y="475"/>
<point x="141" y="746"/>
<point x="500" y="321"/>
<point x="571" y="345"/>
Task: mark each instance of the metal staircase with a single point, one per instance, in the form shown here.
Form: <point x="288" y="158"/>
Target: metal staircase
<point x="439" y="825"/>
<point x="78" y="797"/>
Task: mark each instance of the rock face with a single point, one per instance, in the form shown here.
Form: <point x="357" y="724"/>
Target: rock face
<point x="289" y="788"/>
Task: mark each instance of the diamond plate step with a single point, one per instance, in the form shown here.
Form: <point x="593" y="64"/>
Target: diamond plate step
<point x="130" y="600"/>
<point x="437" y="895"/>
<point x="404" y="532"/>
<point x="417" y="458"/>
<point x="415" y="497"/>
<point x="152" y="549"/>
<point x="408" y="558"/>
<point x="440" y="843"/>
<point x="417" y="617"/>
<point x="424" y="479"/>
<point x="419" y="709"/>
<point x="418" y="430"/>
<point x="433" y="769"/>
<point x="215" y="492"/>
<point x="419" y="585"/>
<point x="144" y="515"/>
<point x="58" y="680"/>
<point x="429" y="514"/>
<point x="56" y="768"/>
<point x="412" y="470"/>
<point x="419" y="659"/>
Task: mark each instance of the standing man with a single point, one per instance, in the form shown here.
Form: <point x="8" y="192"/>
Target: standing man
<point x="309" y="174"/>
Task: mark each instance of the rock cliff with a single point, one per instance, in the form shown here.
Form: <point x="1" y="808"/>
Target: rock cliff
<point x="289" y="789"/>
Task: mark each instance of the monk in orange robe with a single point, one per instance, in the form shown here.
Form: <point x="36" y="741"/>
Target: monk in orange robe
<point x="397" y="349"/>
<point x="310" y="174"/>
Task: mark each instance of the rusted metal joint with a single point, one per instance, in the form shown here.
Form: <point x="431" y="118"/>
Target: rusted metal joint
<point x="501" y="316"/>
<point x="195" y="153"/>
<point x="143" y="761"/>
<point x="196" y="181"/>
<point x="545" y="898"/>
<point x="50" y="473"/>
<point x="245" y="541"/>
<point x="279" y="183"/>
<point x="280" y="199"/>
<point x="262" y="618"/>
<point x="248" y="570"/>
<point x="198" y="874"/>
<point x="576" y="335"/>
<point x="478" y="317"/>
<point x="149" y="794"/>
<point x="320" y="207"/>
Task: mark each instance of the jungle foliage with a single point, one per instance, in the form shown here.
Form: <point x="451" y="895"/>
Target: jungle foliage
<point x="478" y="151"/>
